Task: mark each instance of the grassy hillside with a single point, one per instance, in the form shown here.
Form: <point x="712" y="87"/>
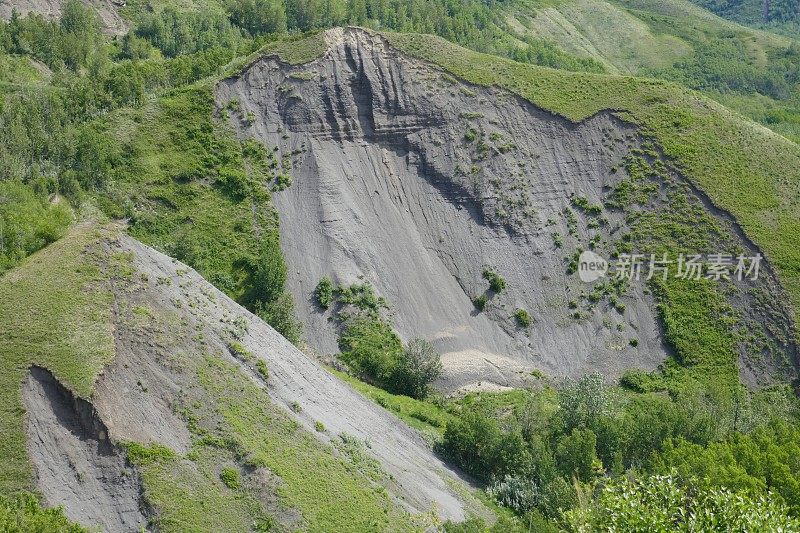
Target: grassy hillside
<point x="55" y="313"/>
<point x="783" y="16"/>
<point x="752" y="71"/>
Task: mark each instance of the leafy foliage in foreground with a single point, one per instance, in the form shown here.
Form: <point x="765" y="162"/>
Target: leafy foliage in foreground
<point x="661" y="503"/>
<point x="548" y="451"/>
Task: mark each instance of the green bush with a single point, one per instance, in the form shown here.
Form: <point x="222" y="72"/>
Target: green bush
<point x="279" y="314"/>
<point x="261" y="366"/>
<point x="576" y="455"/>
<point x="496" y="282"/>
<point x="362" y="296"/>
<point x="270" y="272"/>
<point x="665" y="503"/>
<point x="523" y="318"/>
<point x="370" y="347"/>
<point x="323" y="293"/>
<point x="480" y="302"/>
<point x="230" y="476"/>
<point x="238" y="350"/>
<point x="415" y="369"/>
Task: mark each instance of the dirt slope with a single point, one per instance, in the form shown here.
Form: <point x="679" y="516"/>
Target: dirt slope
<point x="167" y="320"/>
<point x="76" y="464"/>
<point x="388" y="188"/>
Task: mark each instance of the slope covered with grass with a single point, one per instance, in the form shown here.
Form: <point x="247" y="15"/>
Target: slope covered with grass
<point x="55" y="313"/>
<point x="752" y="71"/>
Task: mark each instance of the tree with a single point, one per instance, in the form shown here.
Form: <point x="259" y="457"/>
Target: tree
<point x="663" y="503"/>
<point x="575" y="454"/>
<point x="416" y="368"/>
<point x="270" y="273"/>
<point x="582" y="403"/>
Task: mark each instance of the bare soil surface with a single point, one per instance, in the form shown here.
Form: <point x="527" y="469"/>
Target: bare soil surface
<point x="76" y="463"/>
<point x="390" y="187"/>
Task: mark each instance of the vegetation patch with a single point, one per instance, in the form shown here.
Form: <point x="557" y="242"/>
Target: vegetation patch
<point x="55" y="312"/>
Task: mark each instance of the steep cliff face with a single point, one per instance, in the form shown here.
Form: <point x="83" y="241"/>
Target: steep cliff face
<point x="415" y="182"/>
<point x="76" y="463"/>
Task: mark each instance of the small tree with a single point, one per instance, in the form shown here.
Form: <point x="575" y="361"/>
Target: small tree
<point x="417" y="367"/>
<point x="324" y="293"/>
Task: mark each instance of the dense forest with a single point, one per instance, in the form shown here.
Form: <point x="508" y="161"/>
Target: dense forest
<point x="779" y="11"/>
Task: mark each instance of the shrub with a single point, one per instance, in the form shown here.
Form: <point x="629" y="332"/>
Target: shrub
<point x="582" y="403"/>
<point x="362" y="296"/>
<point x="323" y="294"/>
<point x="280" y="315"/>
<point x="282" y="182"/>
<point x="575" y="454"/>
<point x="370" y="347"/>
<point x="480" y="302"/>
<point x="319" y="426"/>
<point x="582" y="203"/>
<point x="516" y="493"/>
<point x="661" y="503"/>
<point x="270" y="271"/>
<point x="230" y="476"/>
<point x="471" y="440"/>
<point x="240" y="351"/>
<point x="523" y="318"/>
<point x="496" y="282"/>
<point x="415" y="369"/>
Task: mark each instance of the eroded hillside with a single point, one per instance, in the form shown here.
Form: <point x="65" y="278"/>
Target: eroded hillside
<point x="415" y="182"/>
<point x="206" y="417"/>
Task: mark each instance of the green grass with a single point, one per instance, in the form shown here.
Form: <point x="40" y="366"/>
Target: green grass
<point x="54" y="312"/>
<point x="200" y="195"/>
<point x="22" y="514"/>
<point x="745" y="169"/>
<point x="189" y="494"/>
<point x="330" y="492"/>
<point x="603" y="31"/>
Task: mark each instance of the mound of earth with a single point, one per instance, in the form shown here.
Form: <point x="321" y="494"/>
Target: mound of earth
<point x="195" y="373"/>
<point x="415" y="182"/>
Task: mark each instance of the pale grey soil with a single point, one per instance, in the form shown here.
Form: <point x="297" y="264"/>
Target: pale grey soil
<point x="418" y="476"/>
<point x="165" y="316"/>
<point x="387" y="190"/>
<point x="107" y="10"/>
<point x="75" y="462"/>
